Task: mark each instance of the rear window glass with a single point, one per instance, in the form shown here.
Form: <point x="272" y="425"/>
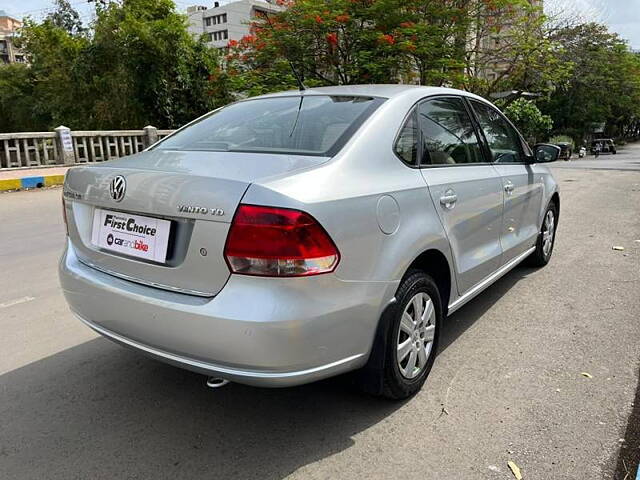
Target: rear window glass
<point x="303" y="125"/>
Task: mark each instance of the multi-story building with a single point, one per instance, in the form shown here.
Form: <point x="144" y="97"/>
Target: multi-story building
<point x="227" y="21"/>
<point x="491" y="38"/>
<point x="8" y="28"/>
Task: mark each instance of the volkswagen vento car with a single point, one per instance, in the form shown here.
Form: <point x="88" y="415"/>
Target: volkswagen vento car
<point x="300" y="235"/>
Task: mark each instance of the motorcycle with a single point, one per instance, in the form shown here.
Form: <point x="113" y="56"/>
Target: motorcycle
<point x="582" y="152"/>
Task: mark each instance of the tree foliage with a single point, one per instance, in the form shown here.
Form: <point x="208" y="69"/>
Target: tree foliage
<point x="53" y="55"/>
<point x="16" y="97"/>
<point x="135" y="65"/>
<point x="604" y="87"/>
<point x="331" y="42"/>
<point x="430" y="42"/>
<point x="526" y="115"/>
<point x="519" y="49"/>
<point x="66" y="17"/>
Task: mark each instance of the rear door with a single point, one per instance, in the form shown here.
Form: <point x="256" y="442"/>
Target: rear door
<point x="466" y="190"/>
<point x="523" y="189"/>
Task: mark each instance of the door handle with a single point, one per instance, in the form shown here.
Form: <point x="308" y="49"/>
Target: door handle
<point x="449" y="199"/>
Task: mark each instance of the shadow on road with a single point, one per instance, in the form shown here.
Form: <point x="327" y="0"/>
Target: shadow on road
<point x="100" y="411"/>
<point x="464" y="318"/>
<point x="628" y="463"/>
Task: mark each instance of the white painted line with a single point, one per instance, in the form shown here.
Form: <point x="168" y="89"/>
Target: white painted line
<point x="17" y="301"/>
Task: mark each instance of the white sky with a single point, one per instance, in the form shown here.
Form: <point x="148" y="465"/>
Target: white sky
<point x="622" y="16"/>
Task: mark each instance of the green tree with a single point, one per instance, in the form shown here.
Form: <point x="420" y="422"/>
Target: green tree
<point x="66" y="17"/>
<point x="430" y="42"/>
<point x="145" y="68"/>
<point x="331" y="42"/>
<point x="512" y="48"/>
<point x="526" y="115"/>
<point x="53" y="54"/>
<point x="604" y="86"/>
<point x="135" y="65"/>
<point x="16" y="100"/>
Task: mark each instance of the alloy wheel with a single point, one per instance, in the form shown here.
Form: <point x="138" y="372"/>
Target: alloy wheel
<point x="416" y="334"/>
<point x="548" y="232"/>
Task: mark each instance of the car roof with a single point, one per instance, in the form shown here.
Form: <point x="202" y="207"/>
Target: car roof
<point x="376" y="90"/>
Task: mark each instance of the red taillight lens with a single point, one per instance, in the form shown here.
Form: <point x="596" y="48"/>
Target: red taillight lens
<point x="278" y="242"/>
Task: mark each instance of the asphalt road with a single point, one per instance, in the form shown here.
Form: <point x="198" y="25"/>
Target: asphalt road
<point x="627" y="159"/>
<point x="507" y="384"/>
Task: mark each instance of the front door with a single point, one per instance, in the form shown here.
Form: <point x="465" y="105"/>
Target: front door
<point x="523" y="190"/>
<point x="466" y="191"/>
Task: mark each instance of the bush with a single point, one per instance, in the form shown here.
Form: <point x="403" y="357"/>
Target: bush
<point x="529" y="119"/>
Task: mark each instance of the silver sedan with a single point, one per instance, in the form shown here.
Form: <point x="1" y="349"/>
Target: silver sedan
<point x="300" y="235"/>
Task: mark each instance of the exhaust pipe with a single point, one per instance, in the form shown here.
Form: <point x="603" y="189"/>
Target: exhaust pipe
<point x="216" y="382"/>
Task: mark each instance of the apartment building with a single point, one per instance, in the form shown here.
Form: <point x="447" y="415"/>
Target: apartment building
<point x="226" y="21"/>
<point x="8" y="28"/>
<point x="487" y="42"/>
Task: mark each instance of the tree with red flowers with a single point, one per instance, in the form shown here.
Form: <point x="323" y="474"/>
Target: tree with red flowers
<point x="429" y="42"/>
<point x="332" y="42"/>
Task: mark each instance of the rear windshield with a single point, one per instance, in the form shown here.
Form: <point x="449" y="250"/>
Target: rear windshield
<point x="303" y="125"/>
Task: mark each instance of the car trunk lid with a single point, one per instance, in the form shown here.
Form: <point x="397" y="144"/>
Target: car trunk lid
<point x="197" y="193"/>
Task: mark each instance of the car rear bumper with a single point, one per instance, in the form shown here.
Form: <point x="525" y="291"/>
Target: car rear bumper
<point x="258" y="331"/>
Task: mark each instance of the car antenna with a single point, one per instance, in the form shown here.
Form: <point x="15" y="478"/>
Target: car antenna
<point x="298" y="79"/>
<point x="295" y="124"/>
<point x="301" y="85"/>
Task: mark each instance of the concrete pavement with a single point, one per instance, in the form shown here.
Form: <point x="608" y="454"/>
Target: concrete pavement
<point x="507" y="384"/>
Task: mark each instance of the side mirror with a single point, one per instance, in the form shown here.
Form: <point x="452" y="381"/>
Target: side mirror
<point x="546" y="153"/>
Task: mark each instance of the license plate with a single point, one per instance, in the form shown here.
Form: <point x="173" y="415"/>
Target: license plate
<point x="133" y="235"/>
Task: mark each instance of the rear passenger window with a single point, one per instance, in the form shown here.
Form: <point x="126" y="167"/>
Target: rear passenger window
<point x="448" y="135"/>
<point x="504" y="142"/>
<point x="407" y="143"/>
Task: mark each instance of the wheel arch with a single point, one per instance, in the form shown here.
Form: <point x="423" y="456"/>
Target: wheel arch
<point x="435" y="263"/>
<point x="555" y="198"/>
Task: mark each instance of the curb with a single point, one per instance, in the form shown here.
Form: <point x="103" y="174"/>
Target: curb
<point x="30" y="182"/>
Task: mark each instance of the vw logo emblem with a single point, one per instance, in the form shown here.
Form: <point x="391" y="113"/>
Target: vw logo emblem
<point x="117" y="188"/>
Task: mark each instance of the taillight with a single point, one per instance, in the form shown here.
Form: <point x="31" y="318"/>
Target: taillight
<point x="278" y="242"/>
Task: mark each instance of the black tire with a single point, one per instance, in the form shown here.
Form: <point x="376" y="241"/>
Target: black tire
<point x="539" y="258"/>
<point x="382" y="376"/>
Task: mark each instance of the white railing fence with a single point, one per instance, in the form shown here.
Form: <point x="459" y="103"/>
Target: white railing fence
<point x="66" y="147"/>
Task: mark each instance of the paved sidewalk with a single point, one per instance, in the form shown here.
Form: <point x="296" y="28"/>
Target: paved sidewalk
<point x="21" y="179"/>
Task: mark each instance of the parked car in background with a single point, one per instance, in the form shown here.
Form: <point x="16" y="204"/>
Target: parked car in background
<point x="294" y="236"/>
<point x="607" y="145"/>
<point x="566" y="150"/>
